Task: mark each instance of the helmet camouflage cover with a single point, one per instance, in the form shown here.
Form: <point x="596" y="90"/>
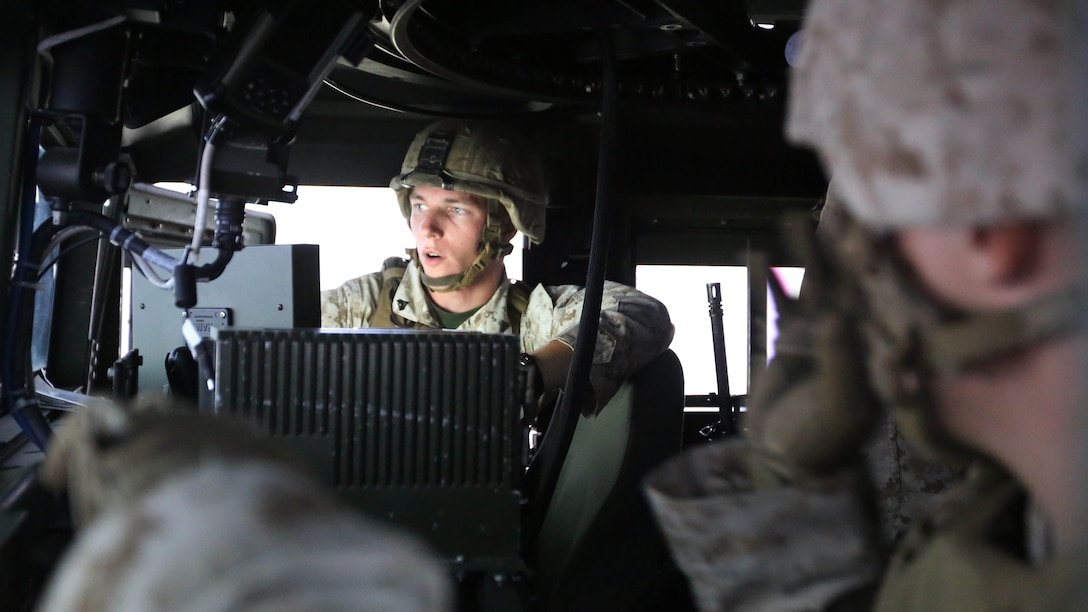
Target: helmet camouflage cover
<point x="941" y="112"/>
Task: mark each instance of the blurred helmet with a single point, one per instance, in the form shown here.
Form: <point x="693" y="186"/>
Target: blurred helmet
<point x="954" y="112"/>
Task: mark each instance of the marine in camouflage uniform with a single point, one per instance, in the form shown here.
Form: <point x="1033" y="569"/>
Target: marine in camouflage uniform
<point x="492" y="164"/>
<point x="178" y="510"/>
<point x="950" y="130"/>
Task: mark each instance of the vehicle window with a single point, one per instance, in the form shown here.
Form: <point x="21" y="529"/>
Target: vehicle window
<point x="791" y="282"/>
<point x="683" y="291"/>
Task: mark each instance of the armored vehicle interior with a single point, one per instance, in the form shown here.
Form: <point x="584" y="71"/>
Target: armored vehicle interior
<point x="661" y="126"/>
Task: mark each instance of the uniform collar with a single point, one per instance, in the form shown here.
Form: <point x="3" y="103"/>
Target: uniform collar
<point x="410" y="302"/>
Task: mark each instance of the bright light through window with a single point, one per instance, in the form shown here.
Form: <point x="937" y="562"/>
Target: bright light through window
<point x="356" y="228"/>
<point x="683" y="290"/>
<point x="791" y="282"/>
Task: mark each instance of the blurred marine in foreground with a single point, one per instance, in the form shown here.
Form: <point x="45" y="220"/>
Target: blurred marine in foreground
<point x="954" y="298"/>
<point x="183" y="511"/>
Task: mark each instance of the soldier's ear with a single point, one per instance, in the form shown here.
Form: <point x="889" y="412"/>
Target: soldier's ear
<point x="1009" y="253"/>
<point x="991" y="266"/>
<point x="956" y="265"/>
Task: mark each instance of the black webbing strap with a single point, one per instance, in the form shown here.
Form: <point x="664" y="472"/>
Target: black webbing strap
<point x="433" y="155"/>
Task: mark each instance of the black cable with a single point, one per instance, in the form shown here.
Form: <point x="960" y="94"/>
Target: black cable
<point x="543" y="473"/>
<point x="15" y="375"/>
<point x="15" y="368"/>
<point x="121" y="237"/>
<point x="415" y="110"/>
<point x="49" y="263"/>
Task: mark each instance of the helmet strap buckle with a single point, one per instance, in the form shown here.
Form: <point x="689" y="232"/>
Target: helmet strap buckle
<point x="433" y="155"/>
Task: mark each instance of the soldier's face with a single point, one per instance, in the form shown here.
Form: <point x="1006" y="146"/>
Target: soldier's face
<point x="986" y="269"/>
<point x="447" y="226"/>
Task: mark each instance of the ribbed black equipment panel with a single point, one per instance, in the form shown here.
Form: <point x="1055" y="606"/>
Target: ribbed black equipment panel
<point x="419" y="428"/>
<point x="379" y="408"/>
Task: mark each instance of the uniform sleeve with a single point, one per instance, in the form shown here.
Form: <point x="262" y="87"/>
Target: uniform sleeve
<point x="751" y="534"/>
<point x="634" y="329"/>
<point x="351" y="304"/>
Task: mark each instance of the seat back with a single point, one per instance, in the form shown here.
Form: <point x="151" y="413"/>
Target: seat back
<point x="598" y="545"/>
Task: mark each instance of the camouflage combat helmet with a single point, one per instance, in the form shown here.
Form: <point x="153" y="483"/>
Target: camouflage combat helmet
<point x="941" y="112"/>
<point x="485" y="160"/>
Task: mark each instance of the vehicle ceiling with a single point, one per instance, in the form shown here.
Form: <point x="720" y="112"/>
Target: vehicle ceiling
<point x="701" y="87"/>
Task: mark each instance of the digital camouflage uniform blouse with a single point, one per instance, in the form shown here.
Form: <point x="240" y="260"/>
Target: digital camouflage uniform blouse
<point x="634" y="327"/>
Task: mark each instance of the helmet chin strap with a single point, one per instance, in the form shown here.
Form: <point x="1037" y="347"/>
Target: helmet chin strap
<point x="956" y="346"/>
<point x="450" y="282"/>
